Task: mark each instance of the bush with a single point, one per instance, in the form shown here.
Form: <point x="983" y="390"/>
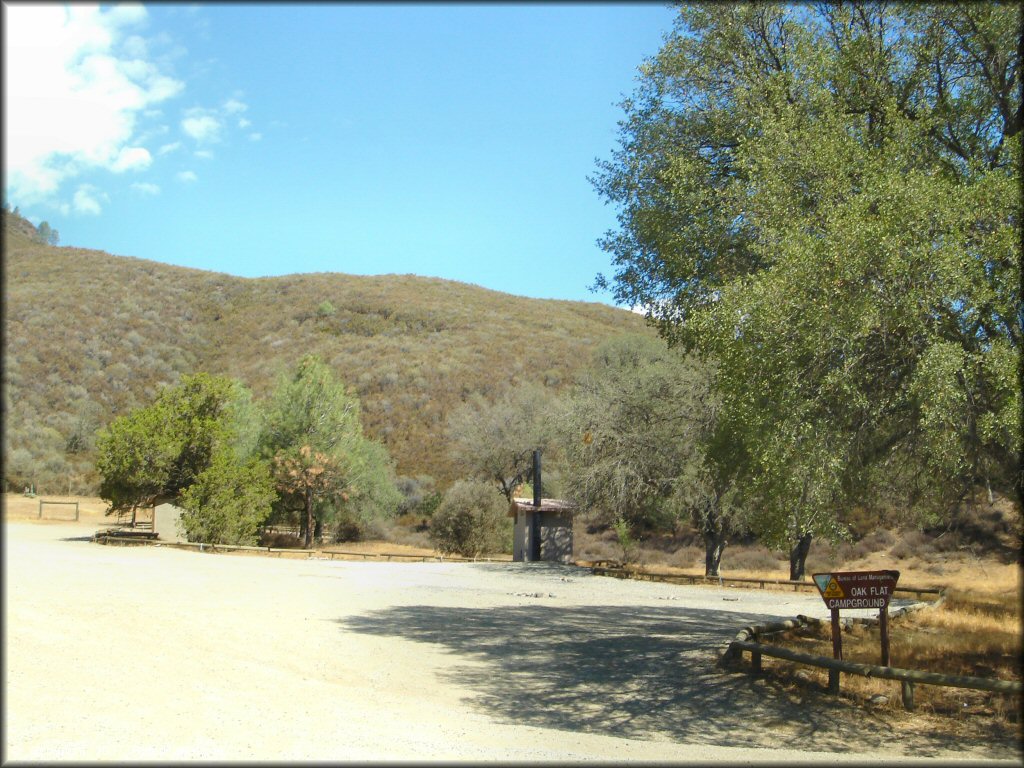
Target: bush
<point x="753" y="558"/>
<point x="913" y="543"/>
<point x="689" y="557"/>
<point x="471" y="520"/>
<point x="348" y="528"/>
<point x="228" y="502"/>
<point x="627" y="544"/>
<point x="280" y="540"/>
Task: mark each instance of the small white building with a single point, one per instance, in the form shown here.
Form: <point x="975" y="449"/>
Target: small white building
<point x="167" y="522"/>
<point x="542" y="533"/>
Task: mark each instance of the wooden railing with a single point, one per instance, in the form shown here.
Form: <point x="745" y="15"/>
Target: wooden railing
<point x="907" y="677"/>
<point x="600" y="569"/>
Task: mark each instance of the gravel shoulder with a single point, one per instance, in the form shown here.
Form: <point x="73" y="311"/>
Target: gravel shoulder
<point x="153" y="653"/>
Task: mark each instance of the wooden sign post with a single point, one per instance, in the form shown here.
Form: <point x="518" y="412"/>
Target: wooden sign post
<point x="856" y="589"/>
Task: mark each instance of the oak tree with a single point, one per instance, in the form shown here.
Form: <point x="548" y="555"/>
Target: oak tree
<point x="825" y="199"/>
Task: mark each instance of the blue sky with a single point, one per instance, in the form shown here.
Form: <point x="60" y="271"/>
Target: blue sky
<point x="452" y="141"/>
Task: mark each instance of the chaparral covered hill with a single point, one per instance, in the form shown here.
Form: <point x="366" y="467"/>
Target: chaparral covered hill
<point x="89" y="336"/>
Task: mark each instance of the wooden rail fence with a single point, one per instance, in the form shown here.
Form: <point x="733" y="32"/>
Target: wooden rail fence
<point x="689" y="578"/>
<point x="907" y="677"/>
<point x="128" y="536"/>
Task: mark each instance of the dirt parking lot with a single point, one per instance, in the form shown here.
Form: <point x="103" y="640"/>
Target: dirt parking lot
<point x="145" y="653"/>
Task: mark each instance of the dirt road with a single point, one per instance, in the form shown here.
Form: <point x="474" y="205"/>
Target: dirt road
<point x="134" y="653"/>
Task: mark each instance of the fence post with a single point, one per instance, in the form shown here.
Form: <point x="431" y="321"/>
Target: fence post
<point x="908" y="695"/>
<point x="833" y="681"/>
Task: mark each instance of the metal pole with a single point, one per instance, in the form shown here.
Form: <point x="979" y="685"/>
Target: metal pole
<point x="536" y="479"/>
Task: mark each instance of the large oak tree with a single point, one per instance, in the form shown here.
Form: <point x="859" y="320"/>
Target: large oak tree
<point x="825" y="199"/>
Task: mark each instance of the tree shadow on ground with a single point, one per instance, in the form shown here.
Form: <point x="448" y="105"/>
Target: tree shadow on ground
<point x="636" y="672"/>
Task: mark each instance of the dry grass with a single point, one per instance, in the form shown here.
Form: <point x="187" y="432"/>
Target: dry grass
<point x="104" y="336"/>
<point x="971" y="633"/>
<point x="19" y="507"/>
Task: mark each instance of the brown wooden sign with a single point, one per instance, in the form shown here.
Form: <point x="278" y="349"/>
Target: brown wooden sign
<point x="856" y="589"/>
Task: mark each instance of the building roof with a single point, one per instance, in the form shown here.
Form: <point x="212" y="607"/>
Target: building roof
<point x="546" y="505"/>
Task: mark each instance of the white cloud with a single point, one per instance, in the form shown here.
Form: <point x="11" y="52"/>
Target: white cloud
<point x="255" y="136"/>
<point x="71" y="101"/>
<point x="87" y="200"/>
<point x="187" y="176"/>
<point x="136" y="47"/>
<point x="146" y="188"/>
<point x="201" y="127"/>
<point x="234" y="106"/>
<point x="132" y="159"/>
<point x="169" y="148"/>
<point x="203" y="154"/>
<point x="244" y="123"/>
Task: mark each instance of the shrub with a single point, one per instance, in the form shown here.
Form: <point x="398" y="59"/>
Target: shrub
<point x="913" y="543"/>
<point x="596" y="549"/>
<point x="408" y="536"/>
<point x="627" y="544"/>
<point x="753" y="558"/>
<point x="471" y="521"/>
<point x="876" y="541"/>
<point x="348" y="528"/>
<point x="280" y="540"/>
<point x="227" y="502"/>
<point x="688" y="557"/>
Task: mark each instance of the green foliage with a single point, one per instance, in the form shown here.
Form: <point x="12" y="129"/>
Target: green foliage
<point x="159" y="450"/>
<point x="806" y="198"/>
<point x="135" y="457"/>
<point x="471" y="521"/>
<point x="419" y="495"/>
<point x="228" y="501"/>
<point x="632" y="433"/>
<point x="625" y="540"/>
<point x="310" y="407"/>
<point x="373" y="495"/>
<point x="325" y="309"/>
<point x="496" y="440"/>
<point x="322" y="463"/>
<point x="47" y="235"/>
<point x="190" y="446"/>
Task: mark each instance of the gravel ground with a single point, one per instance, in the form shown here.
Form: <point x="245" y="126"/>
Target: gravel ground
<point x="143" y="653"/>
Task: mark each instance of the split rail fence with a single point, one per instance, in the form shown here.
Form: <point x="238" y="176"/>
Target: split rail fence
<point x="686" y="578"/>
<point x="907" y="677"/>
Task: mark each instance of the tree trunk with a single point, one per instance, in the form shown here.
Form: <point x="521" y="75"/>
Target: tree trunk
<point x="798" y="557"/>
<point x="714" y="545"/>
<point x="318" y="530"/>
<point x="713" y="531"/>
<point x="308" y="541"/>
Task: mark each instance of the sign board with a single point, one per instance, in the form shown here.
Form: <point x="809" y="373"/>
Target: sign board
<point x="857" y="589"/>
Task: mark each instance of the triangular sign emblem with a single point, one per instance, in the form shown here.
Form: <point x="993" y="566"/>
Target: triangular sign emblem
<point x="822" y="580"/>
<point x="833" y="590"/>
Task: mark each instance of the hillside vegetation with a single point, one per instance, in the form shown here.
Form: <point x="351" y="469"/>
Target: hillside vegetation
<point x="89" y="336"/>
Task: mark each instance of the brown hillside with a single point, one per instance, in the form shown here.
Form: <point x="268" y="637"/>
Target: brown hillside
<point x="89" y="336"/>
